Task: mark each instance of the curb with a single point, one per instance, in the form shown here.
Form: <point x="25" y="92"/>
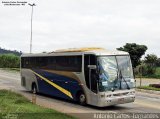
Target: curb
<point x="149" y="91"/>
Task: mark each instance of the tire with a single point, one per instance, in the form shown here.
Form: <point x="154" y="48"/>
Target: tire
<point x="82" y="98"/>
<point x="34" y="88"/>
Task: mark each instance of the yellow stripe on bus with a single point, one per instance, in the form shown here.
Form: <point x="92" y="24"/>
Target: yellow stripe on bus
<point x="55" y="85"/>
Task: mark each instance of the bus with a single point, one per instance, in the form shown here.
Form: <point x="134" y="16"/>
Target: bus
<point x="93" y="76"/>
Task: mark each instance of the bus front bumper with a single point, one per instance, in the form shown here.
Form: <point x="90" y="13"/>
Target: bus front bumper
<point x="115" y="100"/>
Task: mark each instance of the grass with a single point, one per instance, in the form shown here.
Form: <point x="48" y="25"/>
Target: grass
<point x="148" y="88"/>
<point x="16" y="105"/>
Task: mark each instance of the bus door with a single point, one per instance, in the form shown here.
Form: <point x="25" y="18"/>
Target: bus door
<point x="90" y="74"/>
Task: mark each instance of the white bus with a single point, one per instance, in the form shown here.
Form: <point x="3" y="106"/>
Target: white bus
<point x="88" y="75"/>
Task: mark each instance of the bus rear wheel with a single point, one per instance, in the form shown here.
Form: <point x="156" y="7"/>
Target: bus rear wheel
<point x="82" y="98"/>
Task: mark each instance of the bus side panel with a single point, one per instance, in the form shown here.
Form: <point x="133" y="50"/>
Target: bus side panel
<point x="27" y="78"/>
<point x="46" y="81"/>
<point x="48" y="89"/>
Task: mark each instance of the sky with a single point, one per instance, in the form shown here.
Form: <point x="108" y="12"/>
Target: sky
<point x="60" y="24"/>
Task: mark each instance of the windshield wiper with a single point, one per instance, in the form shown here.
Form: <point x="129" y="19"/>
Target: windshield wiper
<point x="121" y="77"/>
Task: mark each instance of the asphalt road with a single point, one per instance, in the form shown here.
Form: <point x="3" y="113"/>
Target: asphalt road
<point x="144" y="103"/>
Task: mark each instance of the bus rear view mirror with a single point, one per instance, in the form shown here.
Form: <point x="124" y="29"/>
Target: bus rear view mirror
<point x="92" y="66"/>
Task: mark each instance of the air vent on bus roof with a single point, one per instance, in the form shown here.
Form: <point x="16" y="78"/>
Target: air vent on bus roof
<point x="79" y="49"/>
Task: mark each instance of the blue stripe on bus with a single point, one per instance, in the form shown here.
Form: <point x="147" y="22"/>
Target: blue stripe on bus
<point x="72" y="85"/>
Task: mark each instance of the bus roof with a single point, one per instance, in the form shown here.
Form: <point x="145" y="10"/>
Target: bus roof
<point x="80" y="49"/>
<point x="77" y="51"/>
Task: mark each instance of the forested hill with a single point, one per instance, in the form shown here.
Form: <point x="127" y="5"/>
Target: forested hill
<point x="4" y="51"/>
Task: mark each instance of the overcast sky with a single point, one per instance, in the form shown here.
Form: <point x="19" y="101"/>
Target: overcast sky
<point x="59" y="24"/>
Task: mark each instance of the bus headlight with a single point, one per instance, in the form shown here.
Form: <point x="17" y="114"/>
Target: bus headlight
<point x="103" y="96"/>
<point x="108" y="95"/>
<point x="132" y="92"/>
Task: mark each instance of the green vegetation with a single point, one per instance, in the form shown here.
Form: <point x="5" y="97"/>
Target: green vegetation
<point x="15" y="105"/>
<point x="135" y="50"/>
<point x="157" y="71"/>
<point x="149" y="88"/>
<point x="149" y="67"/>
<point x="5" y="51"/>
<point x="155" y="75"/>
<point x="150" y="64"/>
<point x="9" y="61"/>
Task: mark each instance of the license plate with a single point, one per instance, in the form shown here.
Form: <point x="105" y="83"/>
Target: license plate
<point x="121" y="99"/>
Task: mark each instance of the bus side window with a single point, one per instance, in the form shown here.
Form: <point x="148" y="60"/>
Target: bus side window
<point x="69" y="63"/>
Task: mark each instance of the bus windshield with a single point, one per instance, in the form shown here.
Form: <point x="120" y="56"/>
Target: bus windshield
<point x="109" y="67"/>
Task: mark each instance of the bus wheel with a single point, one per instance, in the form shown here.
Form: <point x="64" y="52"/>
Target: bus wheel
<point x="34" y="88"/>
<point x="82" y="98"/>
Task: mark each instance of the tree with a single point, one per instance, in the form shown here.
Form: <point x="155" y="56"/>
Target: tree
<point x="136" y="51"/>
<point x="150" y="61"/>
<point x="158" y="62"/>
<point x="15" y="52"/>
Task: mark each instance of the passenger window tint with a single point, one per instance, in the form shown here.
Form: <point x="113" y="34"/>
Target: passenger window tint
<point x="60" y="63"/>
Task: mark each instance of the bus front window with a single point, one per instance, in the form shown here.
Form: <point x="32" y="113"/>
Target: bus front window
<point x="125" y="66"/>
<point x="107" y="72"/>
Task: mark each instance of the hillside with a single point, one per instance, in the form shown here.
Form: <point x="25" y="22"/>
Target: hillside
<point x="5" y="51"/>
